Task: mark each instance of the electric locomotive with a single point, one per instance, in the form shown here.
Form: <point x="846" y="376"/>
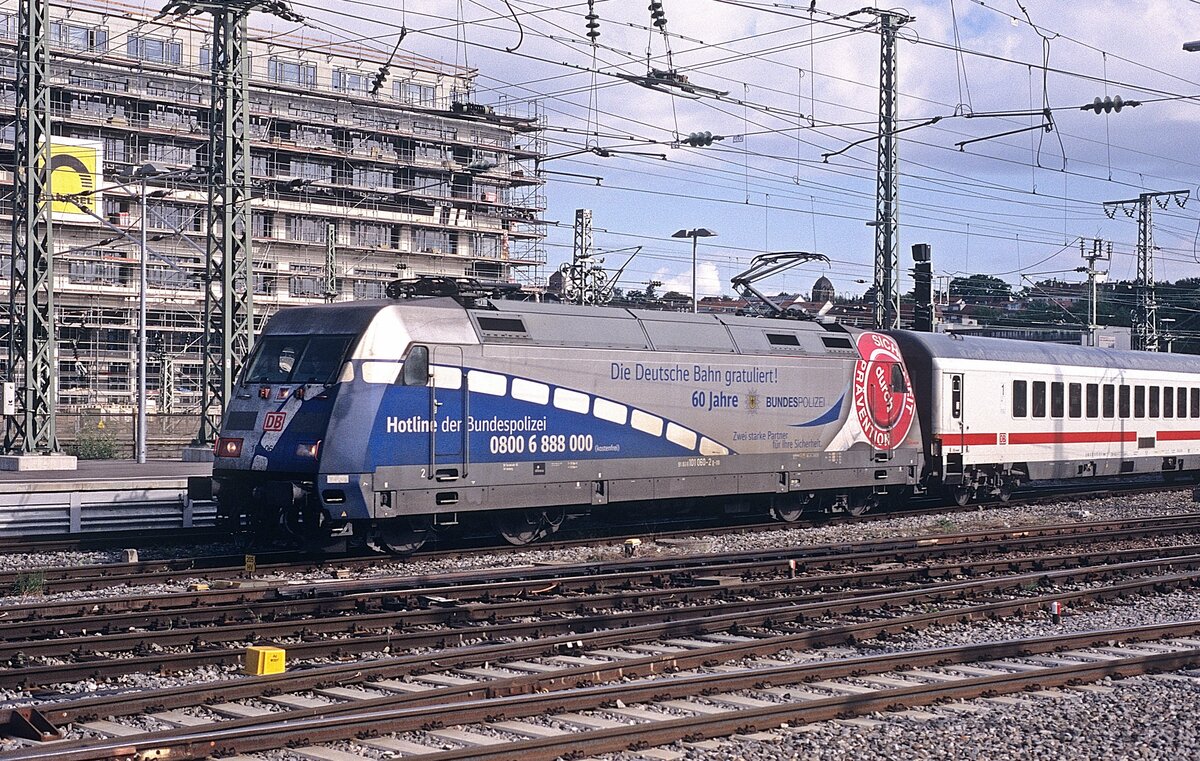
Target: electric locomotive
<point x="384" y="421"/>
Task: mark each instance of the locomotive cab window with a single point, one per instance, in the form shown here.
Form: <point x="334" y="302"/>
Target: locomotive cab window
<point x="899" y="386"/>
<point x="1075" y="400"/>
<point x="1020" y="401"/>
<point x="298" y="359"/>
<point x="416" y="367"/>
<point x="1110" y="400"/>
<point x="1039" y="398"/>
<point x="1093" y="400"/>
<point x="1056" y="399"/>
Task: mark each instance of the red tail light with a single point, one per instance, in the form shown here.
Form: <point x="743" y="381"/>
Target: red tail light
<point x="228" y="447"/>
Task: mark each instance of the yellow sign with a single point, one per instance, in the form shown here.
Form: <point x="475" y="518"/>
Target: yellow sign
<point x="251" y="564"/>
<point x="76" y="169"/>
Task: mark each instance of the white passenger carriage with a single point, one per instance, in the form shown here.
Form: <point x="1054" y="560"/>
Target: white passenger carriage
<point x="996" y="413"/>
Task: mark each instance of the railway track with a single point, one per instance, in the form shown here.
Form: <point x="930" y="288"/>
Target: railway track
<point x="466" y="660"/>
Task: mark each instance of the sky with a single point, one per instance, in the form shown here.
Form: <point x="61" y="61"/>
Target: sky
<point x="802" y="82"/>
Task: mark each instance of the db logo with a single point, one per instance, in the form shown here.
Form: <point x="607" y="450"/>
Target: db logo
<point x="883" y="402"/>
<point x="274" y="421"/>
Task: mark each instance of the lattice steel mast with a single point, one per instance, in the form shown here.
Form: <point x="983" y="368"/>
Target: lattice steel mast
<point x="1145" y="316"/>
<point x="229" y="296"/>
<point x="887" y="192"/>
<point x="32" y="338"/>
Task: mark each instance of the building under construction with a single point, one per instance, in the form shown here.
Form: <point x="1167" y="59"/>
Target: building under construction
<point x="351" y="189"/>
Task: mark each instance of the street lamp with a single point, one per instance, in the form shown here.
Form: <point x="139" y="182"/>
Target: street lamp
<point x="699" y="232"/>
<point x="141" y="174"/>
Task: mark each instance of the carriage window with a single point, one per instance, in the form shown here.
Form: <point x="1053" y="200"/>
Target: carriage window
<point x="1093" y="400"/>
<point x="1168" y="402"/>
<point x="1139" y="401"/>
<point x="956" y="397"/>
<point x="1056" y="399"/>
<point x="1181" y="402"/>
<point x="1039" y="398"/>
<point x="1195" y="405"/>
<point x="1154" y="390"/>
<point x="1124" y="400"/>
<point x="1110" y="397"/>
<point x="1020" y="404"/>
<point x="1075" y="400"/>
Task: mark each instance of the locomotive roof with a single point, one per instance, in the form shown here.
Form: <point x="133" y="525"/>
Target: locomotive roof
<point x="948" y="346"/>
<point x="339" y="317"/>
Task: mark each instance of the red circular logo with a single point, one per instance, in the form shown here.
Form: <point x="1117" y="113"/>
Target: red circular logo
<point x="883" y="400"/>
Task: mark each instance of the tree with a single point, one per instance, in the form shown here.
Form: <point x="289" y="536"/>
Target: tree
<point x="978" y="287"/>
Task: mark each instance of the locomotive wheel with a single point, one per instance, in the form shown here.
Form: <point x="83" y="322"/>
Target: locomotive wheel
<point x="790" y="508"/>
<point x="398" y="536"/>
<point x="521" y="527"/>
<point x="861" y="505"/>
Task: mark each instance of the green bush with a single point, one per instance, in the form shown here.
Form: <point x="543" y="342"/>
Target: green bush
<point x="95" y="443"/>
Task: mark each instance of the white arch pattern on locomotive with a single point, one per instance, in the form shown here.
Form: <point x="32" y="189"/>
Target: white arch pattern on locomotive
<point x="579" y="402"/>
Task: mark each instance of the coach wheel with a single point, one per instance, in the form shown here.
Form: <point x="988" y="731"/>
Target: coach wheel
<point x="520" y="527"/>
<point x="788" y="508"/>
<point x="399" y="536"/>
<point x="962" y="495"/>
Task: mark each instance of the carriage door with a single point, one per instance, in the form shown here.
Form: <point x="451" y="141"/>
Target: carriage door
<point x="448" y="413"/>
<point x="956" y="424"/>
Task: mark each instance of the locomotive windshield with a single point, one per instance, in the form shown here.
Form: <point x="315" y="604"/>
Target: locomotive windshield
<point x="298" y="359"/>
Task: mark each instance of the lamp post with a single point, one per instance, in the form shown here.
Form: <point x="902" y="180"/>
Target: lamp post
<point x="696" y="234"/>
<point x="142" y="173"/>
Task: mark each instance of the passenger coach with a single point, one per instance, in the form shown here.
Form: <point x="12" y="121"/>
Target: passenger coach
<point x="996" y="413"/>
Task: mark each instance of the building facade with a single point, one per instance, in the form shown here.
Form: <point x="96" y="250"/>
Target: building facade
<point x="351" y="189"/>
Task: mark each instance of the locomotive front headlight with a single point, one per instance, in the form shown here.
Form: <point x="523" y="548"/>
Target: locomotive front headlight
<point x="228" y="447"/>
<point x="308" y="450"/>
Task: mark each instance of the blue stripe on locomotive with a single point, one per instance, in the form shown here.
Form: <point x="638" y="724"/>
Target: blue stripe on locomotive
<point x="406" y="440"/>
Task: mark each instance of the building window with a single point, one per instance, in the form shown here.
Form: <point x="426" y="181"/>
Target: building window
<point x="311" y="170"/>
<point x="415" y="93"/>
<point x="155" y="49"/>
<point x="306" y="229"/>
<point x="76" y="36"/>
<point x="292" y="72"/>
<point x="351" y="81"/>
<point x="206" y="56"/>
<point x="306" y="281"/>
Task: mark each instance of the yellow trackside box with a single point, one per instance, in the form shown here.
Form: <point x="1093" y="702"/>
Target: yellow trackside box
<point x="262" y="659"/>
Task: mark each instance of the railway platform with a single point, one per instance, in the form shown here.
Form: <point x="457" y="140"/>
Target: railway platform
<point x="103" y="495"/>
